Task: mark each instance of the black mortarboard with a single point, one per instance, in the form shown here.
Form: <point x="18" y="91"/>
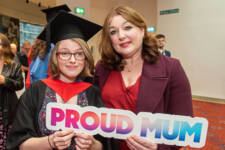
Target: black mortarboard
<point x="66" y="26"/>
<point x="52" y="12"/>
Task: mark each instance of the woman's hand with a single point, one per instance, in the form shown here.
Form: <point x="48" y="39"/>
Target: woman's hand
<point x="87" y="142"/>
<point x="61" y="139"/>
<point x="138" y="143"/>
<point x="2" y="79"/>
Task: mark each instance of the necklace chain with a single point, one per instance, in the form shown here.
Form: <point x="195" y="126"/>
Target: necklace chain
<point x="131" y="68"/>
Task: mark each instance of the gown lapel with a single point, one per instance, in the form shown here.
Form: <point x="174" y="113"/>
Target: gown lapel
<point x="66" y="90"/>
<point x="152" y="86"/>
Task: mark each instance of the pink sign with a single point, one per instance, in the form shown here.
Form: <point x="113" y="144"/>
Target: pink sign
<point x="159" y="128"/>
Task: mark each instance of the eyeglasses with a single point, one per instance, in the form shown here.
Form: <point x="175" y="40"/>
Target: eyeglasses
<point x="67" y="56"/>
<point x="26" y="48"/>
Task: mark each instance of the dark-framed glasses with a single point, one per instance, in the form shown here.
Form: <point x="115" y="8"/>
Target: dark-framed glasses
<point x="67" y="56"/>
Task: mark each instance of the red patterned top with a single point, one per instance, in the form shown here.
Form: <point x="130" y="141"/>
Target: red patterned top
<point x="116" y="95"/>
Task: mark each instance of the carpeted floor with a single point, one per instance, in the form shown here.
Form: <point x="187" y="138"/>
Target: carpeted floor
<point x="215" y="114"/>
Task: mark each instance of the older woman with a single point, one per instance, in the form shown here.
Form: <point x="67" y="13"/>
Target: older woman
<point x="132" y="75"/>
<point x="11" y="80"/>
<point x="70" y="61"/>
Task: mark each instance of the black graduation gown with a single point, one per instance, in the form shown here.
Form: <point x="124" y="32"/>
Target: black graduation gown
<point x="25" y="125"/>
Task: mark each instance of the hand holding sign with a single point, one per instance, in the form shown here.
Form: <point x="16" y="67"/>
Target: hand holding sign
<point x="85" y="141"/>
<point x="121" y="124"/>
<point x="138" y="143"/>
<point x="61" y="139"/>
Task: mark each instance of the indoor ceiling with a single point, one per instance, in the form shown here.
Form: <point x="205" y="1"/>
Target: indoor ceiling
<point x="44" y="3"/>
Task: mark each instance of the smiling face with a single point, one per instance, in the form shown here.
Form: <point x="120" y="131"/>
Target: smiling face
<point x="126" y="38"/>
<point x="70" y="67"/>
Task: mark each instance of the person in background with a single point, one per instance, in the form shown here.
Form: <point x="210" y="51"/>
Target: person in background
<point x="38" y="67"/>
<point x="22" y="56"/>
<point x="14" y="51"/>
<point x="13" y="48"/>
<point x="133" y="75"/>
<point x="70" y="61"/>
<point x="161" y="42"/>
<point x="11" y="80"/>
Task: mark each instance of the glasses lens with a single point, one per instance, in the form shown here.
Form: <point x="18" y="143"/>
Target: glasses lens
<point x="67" y="56"/>
<point x="79" y="55"/>
<point x="64" y="56"/>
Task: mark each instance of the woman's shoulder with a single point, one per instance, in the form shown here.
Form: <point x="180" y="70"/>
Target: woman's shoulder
<point x="93" y="89"/>
<point x="34" y="94"/>
<point x="167" y="60"/>
<point x="163" y="67"/>
<point x="15" y="63"/>
<point x="93" y="95"/>
<point x="168" y="63"/>
<point x="12" y="63"/>
<point x="13" y="66"/>
<point x="99" y="65"/>
<point x="100" y="70"/>
<point x="37" y="85"/>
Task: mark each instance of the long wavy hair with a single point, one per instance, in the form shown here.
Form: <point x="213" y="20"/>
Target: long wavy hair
<point x="39" y="47"/>
<point x="5" y="51"/>
<point x="109" y="57"/>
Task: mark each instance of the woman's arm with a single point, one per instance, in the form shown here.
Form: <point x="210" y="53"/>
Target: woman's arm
<point x="36" y="144"/>
<point x="180" y="100"/>
<point x="58" y="140"/>
<point x="25" y="123"/>
<point x="15" y="80"/>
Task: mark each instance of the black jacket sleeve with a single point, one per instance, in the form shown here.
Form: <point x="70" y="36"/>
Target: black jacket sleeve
<point x="13" y="77"/>
<point x="25" y="124"/>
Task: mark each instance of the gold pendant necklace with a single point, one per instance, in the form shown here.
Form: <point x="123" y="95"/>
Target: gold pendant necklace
<point x="129" y="70"/>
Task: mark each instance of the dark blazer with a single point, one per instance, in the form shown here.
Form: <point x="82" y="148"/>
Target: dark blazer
<point x="164" y="88"/>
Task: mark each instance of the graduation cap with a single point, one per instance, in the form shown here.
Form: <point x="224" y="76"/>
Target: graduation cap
<point x="52" y="12"/>
<point x="67" y="26"/>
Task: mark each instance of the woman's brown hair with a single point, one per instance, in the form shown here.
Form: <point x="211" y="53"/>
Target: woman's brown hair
<point x="5" y="51"/>
<point x="89" y="61"/>
<point x="39" y="47"/>
<point x="113" y="60"/>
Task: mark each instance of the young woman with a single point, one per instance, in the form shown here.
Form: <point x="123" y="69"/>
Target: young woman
<point x="11" y="80"/>
<point x="132" y="75"/>
<point x="70" y="61"/>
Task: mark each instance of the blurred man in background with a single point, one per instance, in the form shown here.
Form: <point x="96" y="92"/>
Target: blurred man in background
<point x="161" y="42"/>
<point x="23" y="56"/>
